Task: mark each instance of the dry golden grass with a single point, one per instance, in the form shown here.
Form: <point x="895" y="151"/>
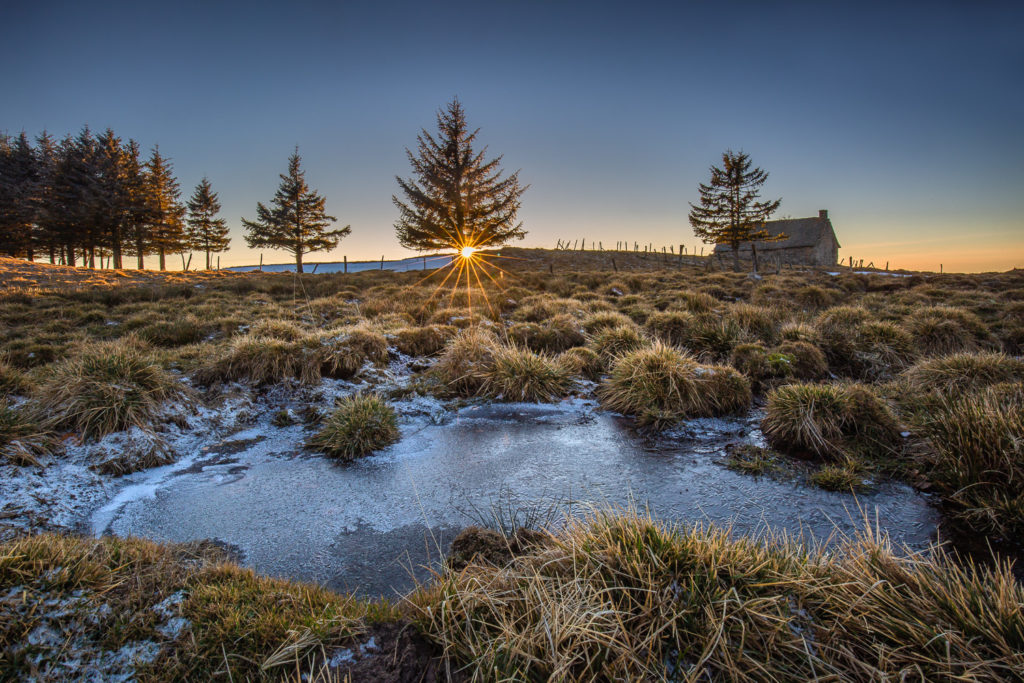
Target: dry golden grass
<point x="108" y="387"/>
<point x="620" y="597"/>
<point x="662" y="385"/>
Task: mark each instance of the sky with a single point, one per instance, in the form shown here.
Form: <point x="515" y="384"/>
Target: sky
<point x="902" y="119"/>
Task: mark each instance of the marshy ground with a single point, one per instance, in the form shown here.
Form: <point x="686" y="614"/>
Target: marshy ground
<point x="342" y="429"/>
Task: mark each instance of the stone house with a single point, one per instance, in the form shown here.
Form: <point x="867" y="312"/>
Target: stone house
<point x="809" y="242"/>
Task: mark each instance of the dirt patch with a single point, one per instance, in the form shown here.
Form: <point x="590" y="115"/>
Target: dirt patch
<point x="476" y="544"/>
<point x="389" y="653"/>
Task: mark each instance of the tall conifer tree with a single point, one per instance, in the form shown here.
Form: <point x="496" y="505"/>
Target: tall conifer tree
<point x="729" y="212"/>
<point x="296" y="220"/>
<point x="457" y="198"/>
<point x="206" y="232"/>
<point x="165" y="212"/>
<point x="18" y="186"/>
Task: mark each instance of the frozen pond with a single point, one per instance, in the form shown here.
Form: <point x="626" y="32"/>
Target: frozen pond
<point x="367" y="525"/>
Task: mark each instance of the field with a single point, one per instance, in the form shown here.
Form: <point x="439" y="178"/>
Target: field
<point x="858" y="378"/>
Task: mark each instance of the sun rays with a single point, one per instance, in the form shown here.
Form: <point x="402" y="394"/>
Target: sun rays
<point x="470" y="268"/>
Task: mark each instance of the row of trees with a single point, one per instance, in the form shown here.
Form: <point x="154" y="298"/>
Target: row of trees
<point x="90" y="196"/>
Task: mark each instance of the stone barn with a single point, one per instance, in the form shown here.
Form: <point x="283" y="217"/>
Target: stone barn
<point x="809" y="242"/>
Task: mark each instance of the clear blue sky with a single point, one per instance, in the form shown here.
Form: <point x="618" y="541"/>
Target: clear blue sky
<point x="905" y="120"/>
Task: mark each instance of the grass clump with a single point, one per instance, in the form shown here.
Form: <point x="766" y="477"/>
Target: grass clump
<point x="760" y="365"/>
<point x="845" y="477"/>
<point x="560" y="333"/>
<point x="582" y="361"/>
<point x="829" y="421"/>
<point x="805" y="360"/>
<point x="345" y="351"/>
<point x="358" y="426"/>
<point x="427" y="340"/>
<point x="964" y="372"/>
<point x="662" y="385"/>
<point x="942" y="330"/>
<point x="519" y="374"/>
<point x="612" y="342"/>
<point x="751" y="459"/>
<point x="108" y="387"/>
<point x="671" y="327"/>
<point x="12" y="380"/>
<point x="467" y="358"/>
<point x="978" y="456"/>
<point x="171" y="333"/>
<point x="24" y="439"/>
<point x="604" y="320"/>
<point x="713" y="337"/>
<point x="276" y="328"/>
<point x="264" y="360"/>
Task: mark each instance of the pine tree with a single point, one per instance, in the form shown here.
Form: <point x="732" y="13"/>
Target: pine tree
<point x="46" y="210"/>
<point x="165" y="212"/>
<point x="113" y="199"/>
<point x="296" y="221"/>
<point x="457" y="198"/>
<point x="138" y="209"/>
<point x="205" y="231"/>
<point x="729" y="212"/>
<point x="18" y="185"/>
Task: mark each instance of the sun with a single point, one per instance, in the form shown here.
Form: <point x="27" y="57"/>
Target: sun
<point x="467" y="252"/>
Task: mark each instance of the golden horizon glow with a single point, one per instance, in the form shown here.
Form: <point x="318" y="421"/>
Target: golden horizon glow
<point x="467" y="252"/>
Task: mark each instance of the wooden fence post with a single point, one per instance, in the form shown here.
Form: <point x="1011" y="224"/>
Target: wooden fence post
<point x="382" y="261"/>
<point x="346" y="264"/>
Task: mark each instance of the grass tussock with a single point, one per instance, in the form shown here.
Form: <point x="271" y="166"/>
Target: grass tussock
<point x="467" y="358"/>
<point x="558" y="334"/>
<point x="12" y="380"/>
<point x="582" y="361"/>
<point x="942" y="330"/>
<point x="347" y="350"/>
<point x="977" y="456"/>
<point x="960" y="373"/>
<point x="611" y="342"/>
<point x="427" y="340"/>
<point x="519" y="374"/>
<point x="620" y="597"/>
<point x="108" y="387"/>
<point x="24" y="439"/>
<point x="662" y="385"/>
<point x="358" y="426"/>
<point x="264" y="360"/>
<point x="831" y="421"/>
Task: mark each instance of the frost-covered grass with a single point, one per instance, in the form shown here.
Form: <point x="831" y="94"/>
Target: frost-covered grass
<point x="615" y="596"/>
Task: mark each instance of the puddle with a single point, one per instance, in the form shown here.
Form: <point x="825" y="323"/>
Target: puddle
<point x="369" y="526"/>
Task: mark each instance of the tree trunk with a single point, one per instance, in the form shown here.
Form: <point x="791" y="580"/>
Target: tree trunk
<point x="141" y="254"/>
<point x="92" y="257"/>
<point x="52" y="255"/>
<point x="753" y="254"/>
<point x="116" y="246"/>
<point x="71" y="256"/>
<point x="163" y="265"/>
<point x="207" y="259"/>
<point x="735" y="258"/>
<point x="298" y="262"/>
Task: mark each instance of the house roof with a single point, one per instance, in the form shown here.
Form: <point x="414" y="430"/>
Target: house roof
<point x="800" y="232"/>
